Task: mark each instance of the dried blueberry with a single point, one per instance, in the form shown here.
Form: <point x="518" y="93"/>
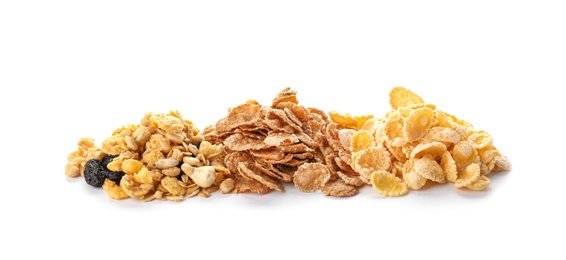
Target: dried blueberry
<point x="197" y="144"/>
<point x="114" y="176"/>
<point x="93" y="173"/>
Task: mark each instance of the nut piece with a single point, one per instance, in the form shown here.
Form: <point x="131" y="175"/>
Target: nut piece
<point x="203" y="176"/>
<point x="166" y="163"/>
<point x="227" y="186"/>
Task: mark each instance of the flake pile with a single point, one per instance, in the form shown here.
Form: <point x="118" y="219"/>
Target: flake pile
<point x="284" y="142"/>
<point x="416" y="142"/>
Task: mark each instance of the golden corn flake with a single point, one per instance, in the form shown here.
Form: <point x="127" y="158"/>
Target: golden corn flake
<point x="414" y="180"/>
<point x="345" y="120"/>
<point x="417" y="124"/>
<point x="443" y="134"/>
<point x="310" y="177"/>
<point x="114" y="191"/>
<point x="372" y="159"/>
<point x="394" y="133"/>
<point x="402" y="97"/>
<point x="143" y="176"/>
<point x="131" y="166"/>
<point x="361" y="140"/>
<point x="430" y="169"/>
<point x="448" y="165"/>
<point x="480" y="139"/>
<point x="173" y="185"/>
<point x="470" y="175"/>
<point x="464" y="154"/>
<point x="435" y="149"/>
<point x="362" y="120"/>
<point x="387" y="184"/>
<point x="480" y="184"/>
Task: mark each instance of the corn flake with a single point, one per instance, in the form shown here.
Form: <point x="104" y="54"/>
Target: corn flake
<point x="414" y="180"/>
<point x="470" y="175"/>
<point x="361" y="140"/>
<point x="402" y="97"/>
<point x="429" y="168"/>
<point x="372" y="159"/>
<point x="387" y="184"/>
<point x="417" y="124"/>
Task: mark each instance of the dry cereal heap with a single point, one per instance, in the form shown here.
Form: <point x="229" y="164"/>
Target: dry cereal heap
<point x="416" y="142"/>
<point x="164" y="157"/>
<point x="285" y="142"/>
<point x="257" y="148"/>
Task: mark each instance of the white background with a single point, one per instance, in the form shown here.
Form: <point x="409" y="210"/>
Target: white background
<point x="70" y="69"/>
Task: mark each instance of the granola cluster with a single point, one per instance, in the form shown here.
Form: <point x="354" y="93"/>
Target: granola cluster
<point x="164" y="157"/>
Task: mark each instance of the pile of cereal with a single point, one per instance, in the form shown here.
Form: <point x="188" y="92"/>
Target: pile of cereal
<point x="257" y="148"/>
<point x="284" y="142"/>
<point x="416" y="142"/>
<point x="164" y="157"/>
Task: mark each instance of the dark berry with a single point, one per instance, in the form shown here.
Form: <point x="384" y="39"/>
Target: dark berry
<point x="114" y="176"/>
<point x="106" y="160"/>
<point x="94" y="174"/>
<point x="197" y="144"/>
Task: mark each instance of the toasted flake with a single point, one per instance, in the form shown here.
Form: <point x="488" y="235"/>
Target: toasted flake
<point x="247" y="113"/>
<point x="234" y="158"/>
<point x="268" y="154"/>
<point x="277" y="139"/>
<point x="245" y="171"/>
<point x="239" y="142"/>
<point x="286" y="95"/>
<point x="339" y="189"/>
<point x="243" y="184"/>
<point x="387" y="184"/>
<point x="350" y="179"/>
<point x="298" y="111"/>
<point x="310" y="177"/>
